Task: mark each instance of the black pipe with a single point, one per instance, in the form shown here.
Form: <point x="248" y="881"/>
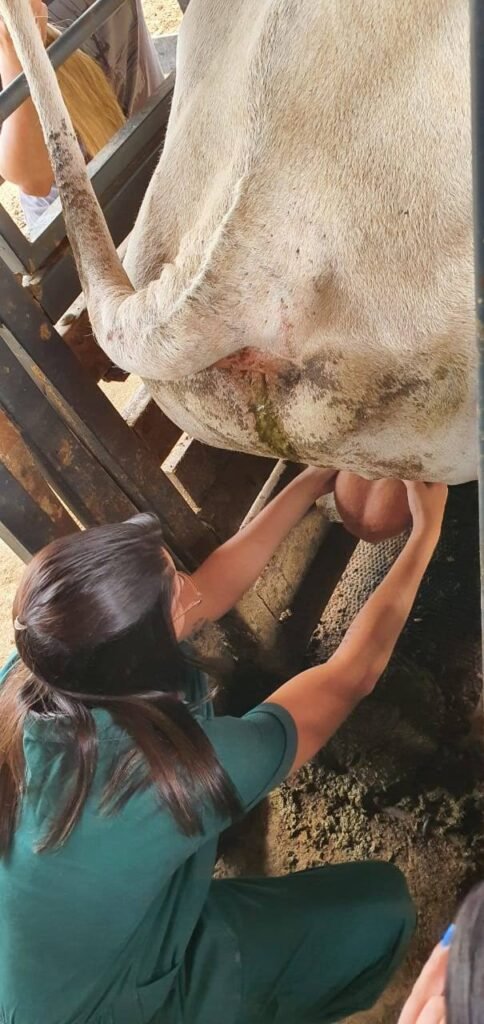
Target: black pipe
<point x="73" y="37"/>
<point x="477" y="76"/>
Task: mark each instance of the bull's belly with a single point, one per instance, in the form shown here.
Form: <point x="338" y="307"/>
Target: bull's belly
<point x="351" y="416"/>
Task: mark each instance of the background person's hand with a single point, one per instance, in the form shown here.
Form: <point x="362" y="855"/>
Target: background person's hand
<point x="427" y="504"/>
<point x="426" y="1003"/>
<point x="39" y="10"/>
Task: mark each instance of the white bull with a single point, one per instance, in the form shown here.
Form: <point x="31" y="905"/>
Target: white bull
<point x="308" y="229"/>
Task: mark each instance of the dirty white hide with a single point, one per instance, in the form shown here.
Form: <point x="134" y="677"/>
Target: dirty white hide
<point x="309" y="224"/>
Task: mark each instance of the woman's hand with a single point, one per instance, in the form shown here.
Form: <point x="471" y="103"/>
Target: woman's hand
<point x="426" y="1003"/>
<point x="427" y="504"/>
<point x="319" y="481"/>
<point x="39" y="10"/>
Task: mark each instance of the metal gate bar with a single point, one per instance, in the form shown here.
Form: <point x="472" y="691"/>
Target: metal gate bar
<point x="73" y="37"/>
<point x="35" y="343"/>
<point x="24" y="526"/>
<point x="477" y="64"/>
<point x="82" y="484"/>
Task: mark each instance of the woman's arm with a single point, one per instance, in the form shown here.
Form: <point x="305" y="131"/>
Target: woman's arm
<point x="24" y="159"/>
<point x="320" y="699"/>
<point x="226" y="575"/>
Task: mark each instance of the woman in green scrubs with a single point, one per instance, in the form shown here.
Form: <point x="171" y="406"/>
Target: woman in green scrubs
<point x="116" y="781"/>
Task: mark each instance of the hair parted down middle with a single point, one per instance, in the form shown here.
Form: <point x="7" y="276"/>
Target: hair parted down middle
<point x="95" y="617"/>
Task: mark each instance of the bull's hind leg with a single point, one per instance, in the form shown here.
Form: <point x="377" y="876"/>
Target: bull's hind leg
<point x="140" y="331"/>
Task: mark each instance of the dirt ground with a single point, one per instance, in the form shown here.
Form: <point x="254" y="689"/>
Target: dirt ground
<point x="162" y="15"/>
<point x="404" y="780"/>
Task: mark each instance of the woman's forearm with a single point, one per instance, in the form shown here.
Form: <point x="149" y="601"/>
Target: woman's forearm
<point x="23" y="155"/>
<point x="321" y="698"/>
<point x="235" y="566"/>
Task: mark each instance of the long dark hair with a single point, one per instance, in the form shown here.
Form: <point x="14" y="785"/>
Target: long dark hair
<point x="93" y="629"/>
<point x="465" y="977"/>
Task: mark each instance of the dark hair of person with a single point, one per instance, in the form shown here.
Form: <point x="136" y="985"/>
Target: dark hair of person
<point x="93" y="629"/>
<point x="465" y="976"/>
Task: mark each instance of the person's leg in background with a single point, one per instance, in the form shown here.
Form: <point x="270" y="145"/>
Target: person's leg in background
<point x="317" y="946"/>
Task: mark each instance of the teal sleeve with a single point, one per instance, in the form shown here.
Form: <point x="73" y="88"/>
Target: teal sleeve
<point x="257" y="751"/>
<point x="8" y="666"/>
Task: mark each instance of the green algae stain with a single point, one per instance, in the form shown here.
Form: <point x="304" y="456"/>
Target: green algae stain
<point x="268" y="423"/>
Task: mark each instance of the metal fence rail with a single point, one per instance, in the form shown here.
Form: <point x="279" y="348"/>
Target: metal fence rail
<point x="70" y="40"/>
<point x="477" y="64"/>
<point x="66" y="455"/>
<point x="119" y="178"/>
<point x="120" y="174"/>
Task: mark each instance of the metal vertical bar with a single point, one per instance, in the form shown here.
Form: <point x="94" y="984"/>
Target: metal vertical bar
<point x="80" y="481"/>
<point x="90" y="416"/>
<point x="120" y="175"/>
<point x="24" y="526"/>
<point x="477" y="67"/>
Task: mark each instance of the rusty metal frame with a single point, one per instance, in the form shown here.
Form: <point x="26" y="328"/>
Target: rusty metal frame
<point x="64" y="463"/>
<point x="24" y="526"/>
<point x="90" y="417"/>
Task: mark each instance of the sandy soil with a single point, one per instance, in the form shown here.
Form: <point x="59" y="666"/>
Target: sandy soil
<point x="162" y="15"/>
<point x="10" y="571"/>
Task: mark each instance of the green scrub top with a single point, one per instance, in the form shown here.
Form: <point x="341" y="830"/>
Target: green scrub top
<point x="115" y="927"/>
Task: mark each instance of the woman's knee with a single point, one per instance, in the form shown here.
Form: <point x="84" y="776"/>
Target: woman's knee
<point x="392" y="904"/>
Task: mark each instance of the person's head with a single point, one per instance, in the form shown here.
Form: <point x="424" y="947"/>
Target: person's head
<point x="465" y="976"/>
<point x="94" y="627"/>
<point x="93" y="613"/>
<point x="89" y="97"/>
